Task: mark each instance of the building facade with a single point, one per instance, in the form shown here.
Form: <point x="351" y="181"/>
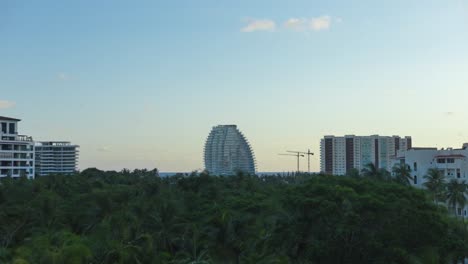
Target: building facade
<point x="16" y="151"/>
<point x="227" y="152"/>
<point x="338" y="155"/>
<point x="56" y="157"/>
<point x="452" y="163"/>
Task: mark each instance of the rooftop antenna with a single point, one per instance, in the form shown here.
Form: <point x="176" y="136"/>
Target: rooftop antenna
<point x="308" y="153"/>
<point x="298" y="155"/>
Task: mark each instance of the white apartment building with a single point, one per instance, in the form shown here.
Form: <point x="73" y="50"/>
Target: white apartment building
<point x="56" y="157"/>
<point x="451" y="162"/>
<point x="16" y="151"/>
<point x="338" y="155"/>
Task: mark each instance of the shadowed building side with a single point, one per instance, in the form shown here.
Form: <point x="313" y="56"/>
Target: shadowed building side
<point x="227" y="152"/>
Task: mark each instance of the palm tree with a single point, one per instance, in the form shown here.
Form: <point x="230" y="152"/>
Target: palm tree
<point x="373" y="172"/>
<point x="369" y="170"/>
<point x="402" y="173"/>
<point x="435" y="184"/>
<point x="456" y="194"/>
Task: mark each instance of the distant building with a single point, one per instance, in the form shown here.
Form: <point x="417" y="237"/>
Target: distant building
<point x="338" y="155"/>
<point x="452" y="163"/>
<point x="227" y="152"/>
<point x="56" y="157"/>
<point x="16" y="151"/>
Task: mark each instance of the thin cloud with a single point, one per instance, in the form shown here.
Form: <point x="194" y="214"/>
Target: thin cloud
<point x="296" y="24"/>
<point x="310" y="24"/>
<point x="6" y="104"/>
<point x="320" y="23"/>
<point x="259" y="25"/>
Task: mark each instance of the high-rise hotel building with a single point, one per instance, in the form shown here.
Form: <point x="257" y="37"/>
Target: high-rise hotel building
<point x="16" y="151"/>
<point x="56" y="157"/>
<point x="227" y="152"/>
<point x="338" y="155"/>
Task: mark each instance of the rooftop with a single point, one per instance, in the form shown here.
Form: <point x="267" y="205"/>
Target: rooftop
<point x="423" y="148"/>
<point x="54" y="143"/>
<point x="450" y="156"/>
<point x="9" y="118"/>
<point x="367" y="136"/>
<point x="226" y="125"/>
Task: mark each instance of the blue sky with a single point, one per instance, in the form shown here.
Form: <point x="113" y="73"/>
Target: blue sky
<point x="140" y="83"/>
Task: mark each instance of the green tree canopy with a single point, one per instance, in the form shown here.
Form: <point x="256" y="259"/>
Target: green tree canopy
<point x="137" y="217"/>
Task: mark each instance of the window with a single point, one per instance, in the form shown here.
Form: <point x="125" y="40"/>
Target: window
<point x="440" y="160"/>
<point x="12" y="128"/>
<point x="450" y="160"/>
<point x="415" y="179"/>
<point x="415" y="166"/>
<point x="4" y="127"/>
<point x="459" y="210"/>
<point x="458" y="173"/>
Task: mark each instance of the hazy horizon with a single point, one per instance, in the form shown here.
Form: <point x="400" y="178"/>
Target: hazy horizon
<point x="140" y="85"/>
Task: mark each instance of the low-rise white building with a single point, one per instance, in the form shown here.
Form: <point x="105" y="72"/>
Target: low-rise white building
<point x="16" y="151"/>
<point x="451" y="162"/>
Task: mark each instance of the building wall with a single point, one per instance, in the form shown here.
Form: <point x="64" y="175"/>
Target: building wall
<point x="367" y="152"/>
<point x="339" y="156"/>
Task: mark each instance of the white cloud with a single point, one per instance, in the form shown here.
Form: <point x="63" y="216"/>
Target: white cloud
<point x="297" y="24"/>
<point x="320" y="23"/>
<point x="313" y="24"/>
<point x="6" y="104"/>
<point x="259" y="25"/>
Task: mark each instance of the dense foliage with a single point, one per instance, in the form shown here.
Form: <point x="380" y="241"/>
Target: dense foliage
<point x="137" y="217"/>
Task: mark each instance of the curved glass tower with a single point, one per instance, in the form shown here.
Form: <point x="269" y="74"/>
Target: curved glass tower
<point x="227" y="152"/>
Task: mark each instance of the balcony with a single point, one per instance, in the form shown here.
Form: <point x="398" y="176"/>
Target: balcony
<point x="12" y="137"/>
<point x="24" y="138"/>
